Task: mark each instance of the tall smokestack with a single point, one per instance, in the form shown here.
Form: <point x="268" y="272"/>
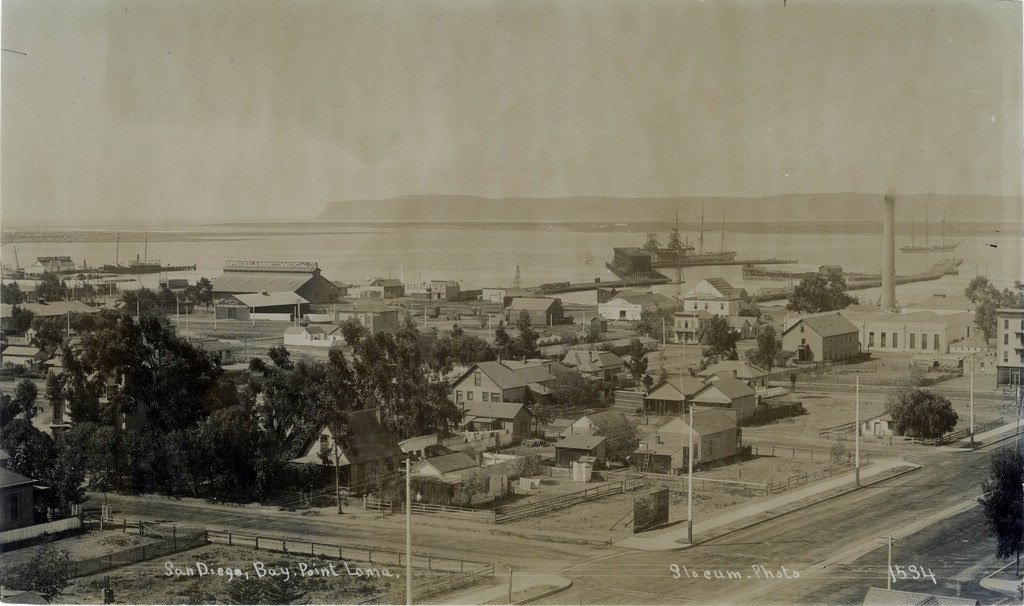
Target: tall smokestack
<point x="889" y="255"/>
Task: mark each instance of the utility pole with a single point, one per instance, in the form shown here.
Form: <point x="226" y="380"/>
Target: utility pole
<point x="888" y="574"/>
<point x="972" y="401"/>
<point x="408" y="535"/>
<point x="337" y="476"/>
<point x="689" y="484"/>
<point x="856" y="436"/>
<point x="510" y="566"/>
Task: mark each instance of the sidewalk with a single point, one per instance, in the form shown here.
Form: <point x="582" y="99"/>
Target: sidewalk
<point x="676" y="538"/>
<point x="1007" y="586"/>
<point x="522" y="583"/>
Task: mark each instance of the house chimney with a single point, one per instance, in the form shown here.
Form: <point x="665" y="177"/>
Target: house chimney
<point x="889" y="254"/>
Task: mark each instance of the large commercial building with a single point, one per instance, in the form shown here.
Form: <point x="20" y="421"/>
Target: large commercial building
<point x="915" y="332"/>
<point x="300" y="278"/>
<point x="1009" y="346"/>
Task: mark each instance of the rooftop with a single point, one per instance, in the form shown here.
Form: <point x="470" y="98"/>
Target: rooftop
<point x="828" y="325"/>
<point x="580" y="442"/>
<point x="730" y="387"/>
<point x="532" y="303"/>
<point x="267" y="299"/>
<point x="448" y="463"/>
<point x="726" y="368"/>
<point x="493" y="410"/>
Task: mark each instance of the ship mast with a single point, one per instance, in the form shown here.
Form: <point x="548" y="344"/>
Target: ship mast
<point x="117" y="251"/>
<point x="911" y="230"/>
<point x="926" y="229"/>
<point x="943" y="227"/>
<point x="702" y="229"/>
<point x="722" y="245"/>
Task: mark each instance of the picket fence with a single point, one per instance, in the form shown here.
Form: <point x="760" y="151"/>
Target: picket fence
<point x="30" y="532"/>
<point x="485" y="516"/>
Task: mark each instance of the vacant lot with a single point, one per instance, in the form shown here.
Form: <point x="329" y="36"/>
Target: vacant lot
<point x="89" y="545"/>
<point x="150" y="583"/>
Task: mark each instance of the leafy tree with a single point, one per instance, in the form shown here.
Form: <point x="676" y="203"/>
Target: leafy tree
<point x="21" y="319"/>
<point x="720" y="339"/>
<point x="820" y="292"/>
<point x="473" y="483"/>
<point x="353" y="332"/>
<point x="504" y="345"/>
<point x="792" y="381"/>
<point x="1003" y="501"/>
<point x="245" y="591"/>
<point x="11" y="294"/>
<point x="652" y="321"/>
<point x="281" y="357"/>
<point x="622" y="437"/>
<point x="25" y="394"/>
<point x="51" y="287"/>
<point x="47" y="572"/>
<point x="636" y="362"/>
<point x="593" y="333"/>
<point x="767" y="348"/>
<point x="988" y="299"/>
<point x="573" y="390"/>
<point x="204" y="292"/>
<point x="49" y="331"/>
<point x="8" y="409"/>
<point x="840" y="452"/>
<point x="277" y="590"/>
<point x="920" y="413"/>
<point x="526" y="344"/>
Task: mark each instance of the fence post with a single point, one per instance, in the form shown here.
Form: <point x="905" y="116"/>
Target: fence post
<point x="773" y="450"/>
<point x="369" y="555"/>
<point x="229" y="539"/>
<point x="428" y="562"/>
<point x="794" y="452"/>
<point x="141" y="530"/>
<point x="311" y="549"/>
<point x="257" y="541"/>
<point x="174" y="535"/>
<point x="284" y="545"/>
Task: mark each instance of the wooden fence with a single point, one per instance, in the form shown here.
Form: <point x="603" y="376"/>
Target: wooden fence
<point x="791" y="452"/>
<point x="170" y="540"/>
<point x="30" y="532"/>
<point x="509" y="513"/>
<point x="702" y="483"/>
<point x="960" y="434"/>
<point x="349" y="553"/>
<point x="485" y="516"/>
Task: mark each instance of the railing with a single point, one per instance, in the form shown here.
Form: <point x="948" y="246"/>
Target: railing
<point x="511" y="513"/>
<point x="30" y="532"/>
<point x="774" y="450"/>
<point x="442" y="511"/>
<point x="960" y="434"/>
<point x="174" y="539"/>
<point x="702" y="483"/>
<point x="349" y="553"/>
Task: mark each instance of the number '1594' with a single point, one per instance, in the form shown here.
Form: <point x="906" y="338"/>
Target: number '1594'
<point x="897" y="572"/>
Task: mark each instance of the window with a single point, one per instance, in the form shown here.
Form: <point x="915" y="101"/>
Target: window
<point x="705" y="306"/>
<point x="458" y="397"/>
<point x="476" y="378"/>
<point x="721" y="306"/>
<point x="924" y="341"/>
<point x="1006" y="356"/>
<point x="484" y="397"/>
<point x="935" y="342"/>
<point x="1006" y="325"/>
<point x="912" y="335"/>
<point x="895" y="340"/>
<point x="495" y="397"/>
<point x="12" y="507"/>
<point x="325" y="441"/>
<point x="1006" y="338"/>
<point x="871" y="339"/>
<point x="801" y="328"/>
<point x="882" y="339"/>
<point x="469" y="396"/>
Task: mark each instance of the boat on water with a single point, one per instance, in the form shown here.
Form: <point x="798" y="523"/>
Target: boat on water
<point x="589" y="258"/>
<point x="140" y="266"/>
<point x="926" y="248"/>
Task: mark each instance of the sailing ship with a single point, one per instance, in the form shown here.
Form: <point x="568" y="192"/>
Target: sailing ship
<point x="140" y="266"/>
<point x="926" y="248"/>
<point x="722" y="256"/>
<point x="589" y="258"/>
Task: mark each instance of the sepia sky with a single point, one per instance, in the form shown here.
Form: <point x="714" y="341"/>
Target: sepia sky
<point x="167" y="111"/>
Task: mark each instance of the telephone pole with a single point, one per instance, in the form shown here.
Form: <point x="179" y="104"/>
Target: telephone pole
<point x="408" y="535"/>
<point x="689" y="484"/>
<point x="856" y="435"/>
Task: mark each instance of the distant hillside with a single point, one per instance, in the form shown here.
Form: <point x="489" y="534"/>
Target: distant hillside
<point x="794" y="207"/>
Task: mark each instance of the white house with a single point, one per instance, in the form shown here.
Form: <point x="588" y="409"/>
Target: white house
<point x="715" y="296"/>
<point x="629" y="306"/>
<point x="312" y="336"/>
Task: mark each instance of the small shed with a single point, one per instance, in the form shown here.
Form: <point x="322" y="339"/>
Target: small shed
<point x="570" y="449"/>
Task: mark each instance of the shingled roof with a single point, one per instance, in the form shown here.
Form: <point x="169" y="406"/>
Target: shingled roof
<point x="828" y="325"/>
